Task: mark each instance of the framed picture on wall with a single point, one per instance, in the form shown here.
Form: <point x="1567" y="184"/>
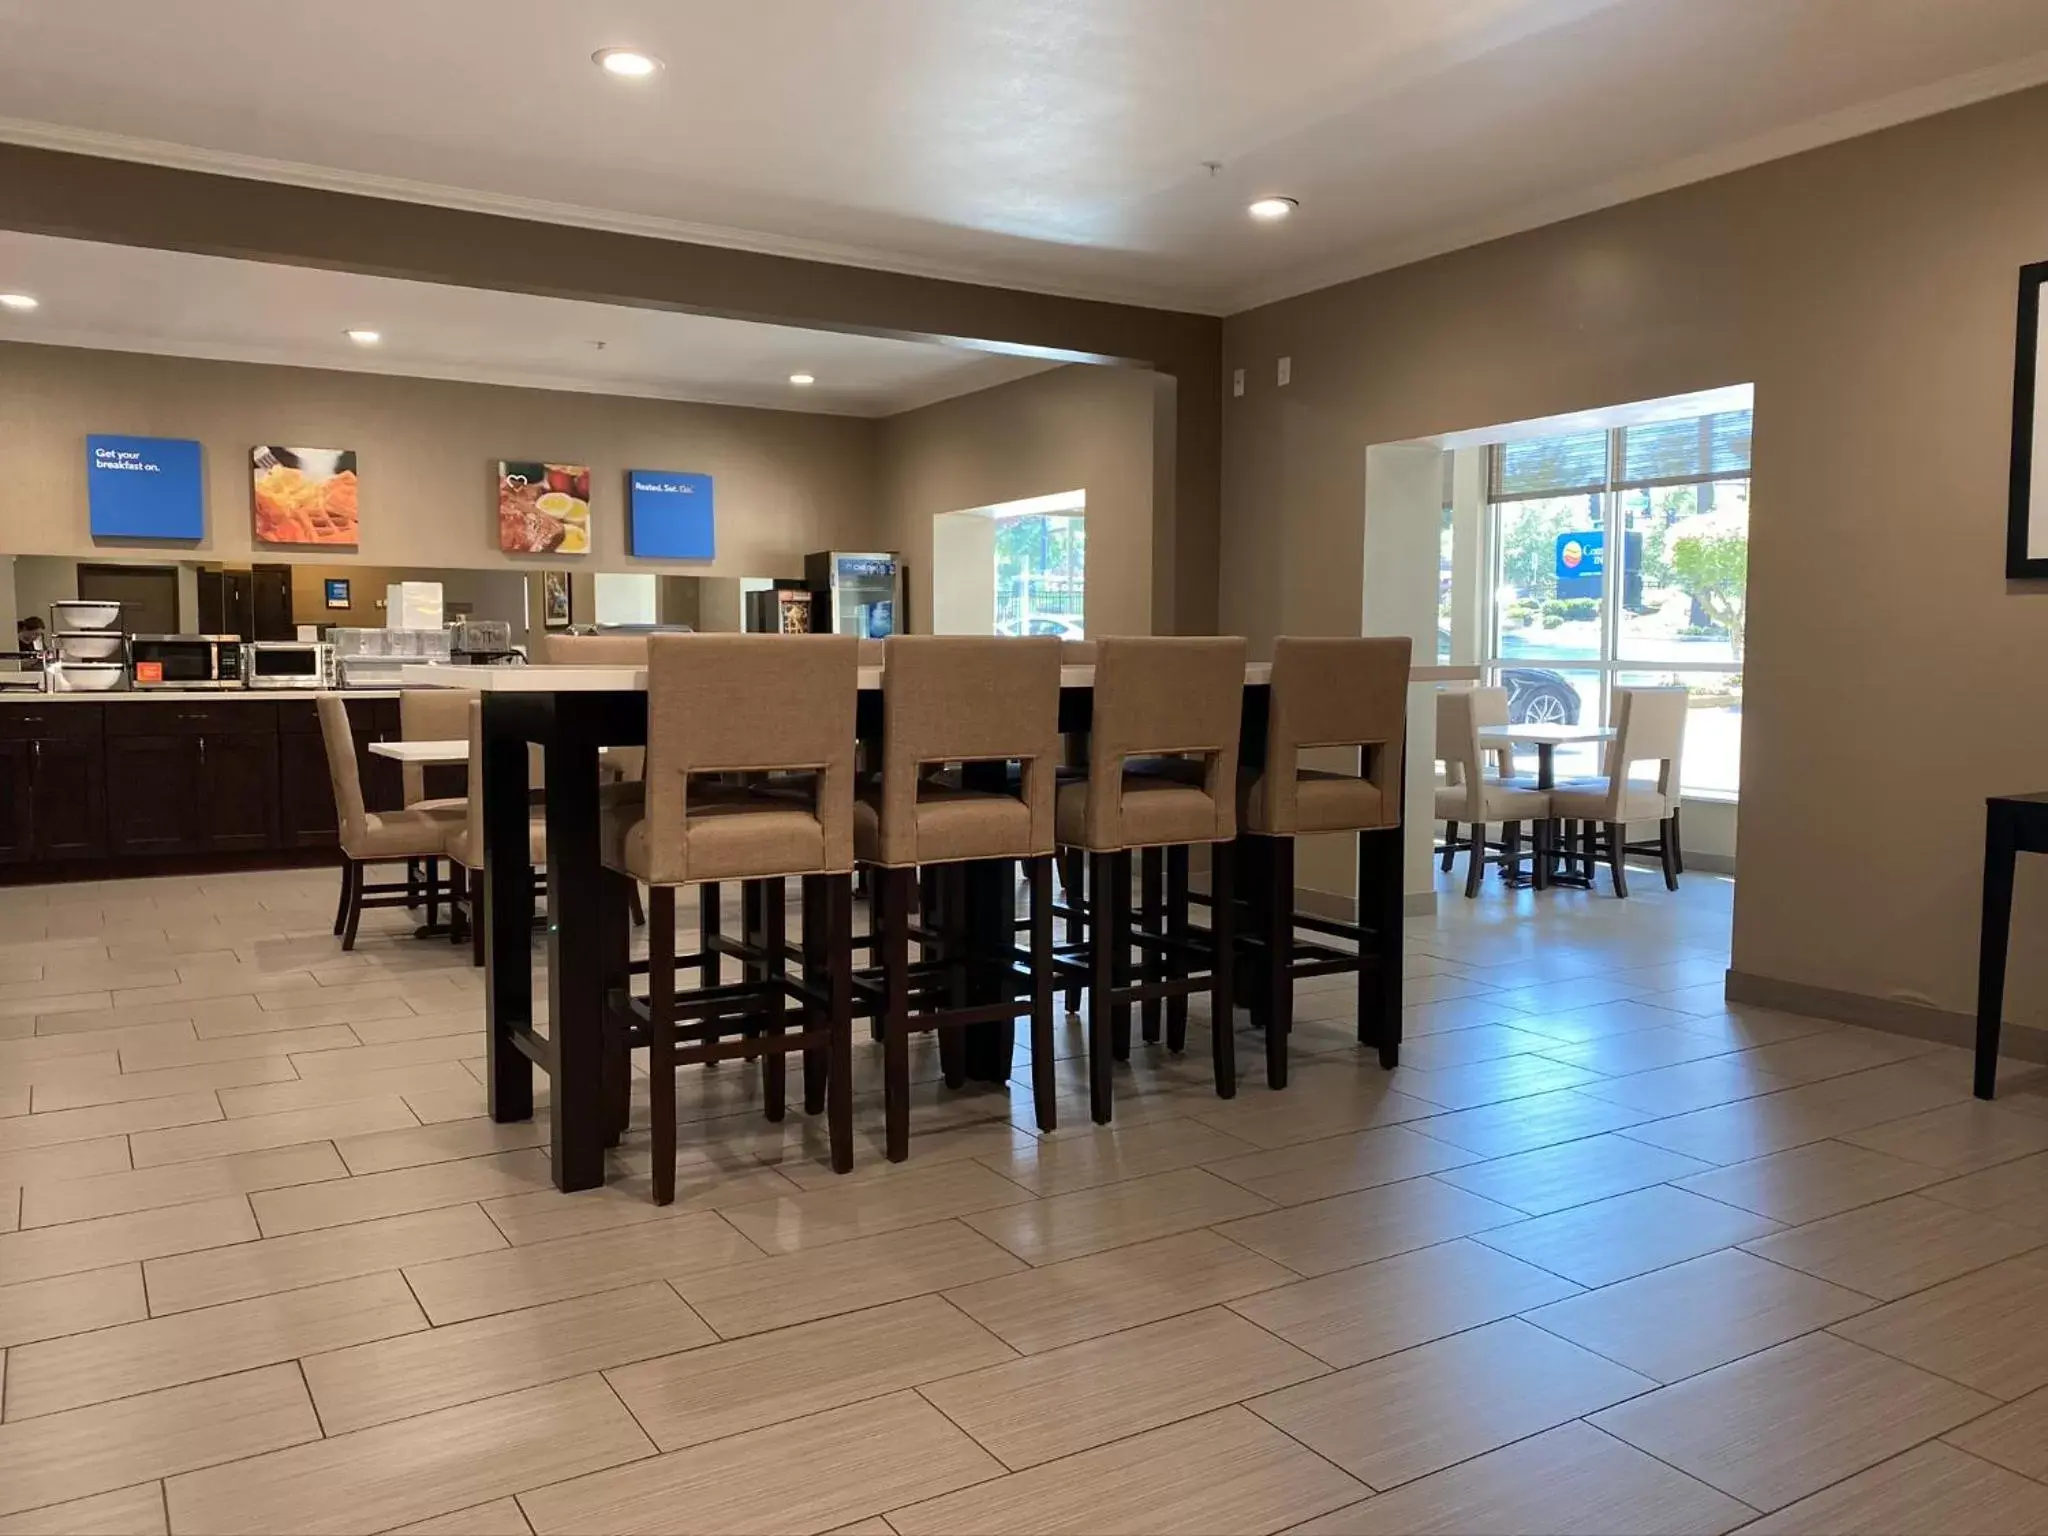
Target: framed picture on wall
<point x="304" y="495"/>
<point x="2026" y="534"/>
<point x="337" y="592"/>
<point x="554" y="599"/>
<point x="543" y="509"/>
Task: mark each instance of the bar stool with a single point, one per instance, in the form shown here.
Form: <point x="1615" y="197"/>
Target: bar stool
<point x="370" y="837"/>
<point x="983" y="704"/>
<point x="722" y="705"/>
<point x="1349" y="694"/>
<point x="1162" y="773"/>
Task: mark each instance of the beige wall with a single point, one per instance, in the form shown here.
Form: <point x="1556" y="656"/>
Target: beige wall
<point x="428" y="452"/>
<point x="1087" y="428"/>
<point x="1894" y="679"/>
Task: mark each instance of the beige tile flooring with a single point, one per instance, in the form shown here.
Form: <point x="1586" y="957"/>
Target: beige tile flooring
<point x="1603" y="1255"/>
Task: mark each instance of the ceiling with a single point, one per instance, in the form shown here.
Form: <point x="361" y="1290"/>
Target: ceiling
<point x="1049" y="144"/>
<point x="137" y="300"/>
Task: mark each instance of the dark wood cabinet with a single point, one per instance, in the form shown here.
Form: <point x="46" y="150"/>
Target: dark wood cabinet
<point x="240" y="802"/>
<point x="69" y="782"/>
<point x="153" y="794"/>
<point x="52" y="783"/>
<point x="306" y="815"/>
<point x="17" y="802"/>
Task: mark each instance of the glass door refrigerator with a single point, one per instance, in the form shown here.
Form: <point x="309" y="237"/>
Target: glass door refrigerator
<point x="855" y="594"/>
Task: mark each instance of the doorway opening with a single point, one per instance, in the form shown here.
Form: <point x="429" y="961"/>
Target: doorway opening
<point x="1015" y="568"/>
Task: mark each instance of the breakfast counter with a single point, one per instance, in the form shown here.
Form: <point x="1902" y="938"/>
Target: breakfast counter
<point x="166" y="780"/>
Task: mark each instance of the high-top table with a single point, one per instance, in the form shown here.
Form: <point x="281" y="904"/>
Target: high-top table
<point x="572" y="711"/>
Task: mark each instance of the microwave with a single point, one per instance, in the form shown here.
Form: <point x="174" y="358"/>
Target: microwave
<point x="288" y="664"/>
<point x="185" y="661"/>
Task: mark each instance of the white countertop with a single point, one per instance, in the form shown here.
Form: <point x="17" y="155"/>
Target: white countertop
<point x="565" y="679"/>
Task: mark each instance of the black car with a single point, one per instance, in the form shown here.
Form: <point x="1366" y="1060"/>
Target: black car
<point x="1536" y="695"/>
<point x="1539" y="696"/>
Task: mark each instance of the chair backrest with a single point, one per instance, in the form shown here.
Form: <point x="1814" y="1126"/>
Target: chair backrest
<point x="1649" y="728"/>
<point x="721" y="703"/>
<point x="342" y="770"/>
<point x="963" y="699"/>
<point x="1458" y="719"/>
<point x="430" y="714"/>
<point x="595" y="650"/>
<point x="1335" y="693"/>
<point x="1489" y="708"/>
<point x="1182" y="696"/>
<point x="474" y="815"/>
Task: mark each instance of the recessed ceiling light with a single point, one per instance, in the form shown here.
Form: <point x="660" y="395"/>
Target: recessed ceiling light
<point x="1270" y="210"/>
<point x="626" y="61"/>
<point x="366" y="338"/>
<point x="17" y="301"/>
<point x="801" y="379"/>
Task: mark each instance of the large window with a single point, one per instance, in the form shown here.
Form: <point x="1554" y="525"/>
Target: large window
<point x="1041" y="574"/>
<point x="1621" y="560"/>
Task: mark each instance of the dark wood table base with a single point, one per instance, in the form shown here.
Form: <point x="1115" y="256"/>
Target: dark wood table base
<point x="2013" y="825"/>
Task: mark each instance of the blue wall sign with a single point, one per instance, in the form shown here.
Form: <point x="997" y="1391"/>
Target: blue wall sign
<point x="668" y="515"/>
<point x="144" y="488"/>
<point x="1581" y="554"/>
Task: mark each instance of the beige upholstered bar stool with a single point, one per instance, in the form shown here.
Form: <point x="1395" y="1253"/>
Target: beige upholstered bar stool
<point x="983" y="704"/>
<point x="463" y="843"/>
<point x="1352" y="695"/>
<point x="1478" y="799"/>
<point x="1649" y="728"/>
<point x="1162" y="773"/>
<point x="370" y="837"/>
<point x="732" y="704"/>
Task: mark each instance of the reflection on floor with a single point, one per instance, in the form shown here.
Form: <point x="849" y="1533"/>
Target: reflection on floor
<point x="1603" y="1255"/>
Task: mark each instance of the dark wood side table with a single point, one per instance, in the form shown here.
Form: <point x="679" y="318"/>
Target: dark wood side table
<point x="2013" y="825"/>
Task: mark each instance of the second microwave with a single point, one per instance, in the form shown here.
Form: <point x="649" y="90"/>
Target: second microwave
<point x="288" y="664"/>
<point x="185" y="661"/>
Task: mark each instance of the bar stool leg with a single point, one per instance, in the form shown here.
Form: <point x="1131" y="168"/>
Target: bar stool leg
<point x="616" y="955"/>
<point x="1381" y="900"/>
<point x="709" y="919"/>
<point x="1177" y="954"/>
<point x="1044" y="1085"/>
<point x="959" y="959"/>
<point x="1076" y="881"/>
<point x="816" y="1060"/>
<point x="891" y="889"/>
<point x="1223" y="968"/>
<point x="1151" y="880"/>
<point x="1278" y="973"/>
<point x="773" y="933"/>
<point x="1118" y="932"/>
<point x="661" y="1037"/>
<point x="839" y="1091"/>
<point x="1101" y="982"/>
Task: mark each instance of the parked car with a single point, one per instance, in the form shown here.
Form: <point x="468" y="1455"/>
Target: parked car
<point x="1043" y="624"/>
<point x="1539" y="696"/>
<point x="1536" y="695"/>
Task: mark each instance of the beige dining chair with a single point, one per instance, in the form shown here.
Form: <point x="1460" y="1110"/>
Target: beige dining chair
<point x="1649" y="728"/>
<point x="1489" y="708"/>
<point x="374" y="837"/>
<point x="1477" y="800"/>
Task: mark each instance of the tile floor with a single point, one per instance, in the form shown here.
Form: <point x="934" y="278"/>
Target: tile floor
<point x="1602" y="1256"/>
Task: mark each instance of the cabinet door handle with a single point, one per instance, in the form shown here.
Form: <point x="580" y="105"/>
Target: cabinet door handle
<point x="202" y="754"/>
<point x="35" y="762"/>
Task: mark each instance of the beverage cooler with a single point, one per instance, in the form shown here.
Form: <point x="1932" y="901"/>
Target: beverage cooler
<point x="855" y="593"/>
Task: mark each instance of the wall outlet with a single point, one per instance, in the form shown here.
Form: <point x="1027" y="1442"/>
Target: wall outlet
<point x="1237" y="383"/>
<point x="1286" y="369"/>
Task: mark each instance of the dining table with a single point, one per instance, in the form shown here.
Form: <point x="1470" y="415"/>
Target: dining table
<point x="1546" y="738"/>
<point x="571" y="713"/>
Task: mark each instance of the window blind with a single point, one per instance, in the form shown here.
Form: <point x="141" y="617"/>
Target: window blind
<point x="1549" y="466"/>
<point x="1678" y="452"/>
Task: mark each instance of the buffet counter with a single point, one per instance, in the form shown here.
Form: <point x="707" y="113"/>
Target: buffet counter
<point x="164" y="780"/>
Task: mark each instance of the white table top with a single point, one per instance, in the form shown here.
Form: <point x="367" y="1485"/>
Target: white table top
<point x="556" y="679"/>
<point x="1554" y="735"/>
<point x="422" y="751"/>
